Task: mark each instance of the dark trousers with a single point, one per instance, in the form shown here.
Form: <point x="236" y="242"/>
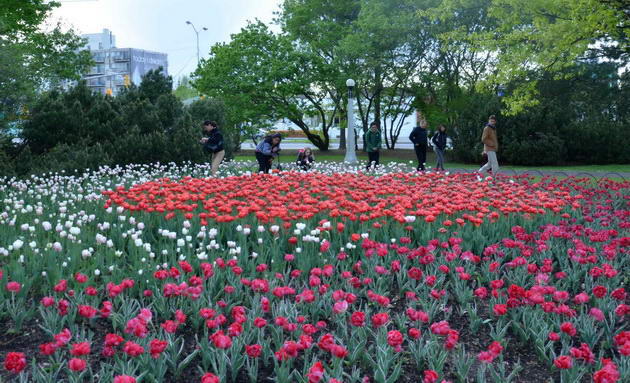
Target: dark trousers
<point x="264" y="162"/>
<point x="373" y="158"/>
<point x="306" y="166"/>
<point x="421" y="154"/>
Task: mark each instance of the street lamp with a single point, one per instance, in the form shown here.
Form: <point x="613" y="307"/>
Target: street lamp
<point x="197" y="34"/>
<point x="351" y="155"/>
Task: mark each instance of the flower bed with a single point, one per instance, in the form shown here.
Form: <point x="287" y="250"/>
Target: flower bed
<point x="149" y="274"/>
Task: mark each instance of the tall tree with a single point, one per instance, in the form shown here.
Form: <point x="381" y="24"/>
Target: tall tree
<point x="319" y="26"/>
<point x="388" y="50"/>
<point x="533" y="38"/>
<point x="266" y="77"/>
<point x="31" y="57"/>
<point x="380" y="44"/>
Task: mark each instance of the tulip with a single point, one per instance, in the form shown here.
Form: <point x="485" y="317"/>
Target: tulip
<point x="14" y="287"/>
<point x="209" y="378"/>
<point x="76" y="364"/>
<point x="80" y="349"/>
<point x="563" y="362"/>
<point x="124" y="379"/>
<point x="15" y="362"/>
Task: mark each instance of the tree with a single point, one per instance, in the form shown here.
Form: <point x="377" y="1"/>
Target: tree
<point x="388" y="50"/>
<point x="155" y="83"/>
<point x="185" y="90"/>
<point x="264" y="76"/>
<point x="319" y="26"/>
<point x="536" y="37"/>
<point x="215" y="110"/>
<point x="32" y="59"/>
<point x="380" y="44"/>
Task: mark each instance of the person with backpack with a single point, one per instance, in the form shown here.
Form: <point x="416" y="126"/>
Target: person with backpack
<point x="305" y="159"/>
<point x="266" y="151"/>
<point x="490" y="146"/>
<point x="213" y="144"/>
<point x="418" y="138"/>
<point x="373" y="145"/>
<point x="439" y="143"/>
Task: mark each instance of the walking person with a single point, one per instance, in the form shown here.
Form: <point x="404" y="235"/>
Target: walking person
<point x="490" y="146"/>
<point x="373" y="145"/>
<point x="213" y="144"/>
<point x="439" y="144"/>
<point x="305" y="159"/>
<point x="418" y="137"/>
<point x="266" y="151"/>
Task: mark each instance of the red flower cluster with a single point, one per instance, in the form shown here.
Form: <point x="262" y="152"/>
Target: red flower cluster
<point x="356" y="196"/>
<point x="493" y="351"/>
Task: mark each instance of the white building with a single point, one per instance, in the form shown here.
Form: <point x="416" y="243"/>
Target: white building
<point x="98" y="41"/>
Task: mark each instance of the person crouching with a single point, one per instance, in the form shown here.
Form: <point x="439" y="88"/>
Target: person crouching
<point x="305" y="159"/>
<point x="266" y="151"/>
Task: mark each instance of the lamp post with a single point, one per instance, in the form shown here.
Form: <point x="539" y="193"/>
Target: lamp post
<point x="351" y="155"/>
<point x="197" y="34"/>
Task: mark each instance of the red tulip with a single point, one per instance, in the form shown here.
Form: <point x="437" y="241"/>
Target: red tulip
<point x="253" y="351"/>
<point x="379" y="320"/>
<point x="133" y="349"/>
<point x="14" y="287"/>
<point x="499" y="309"/>
<point x="563" y="362"/>
<point x="430" y="376"/>
<point x="357" y="319"/>
<point x="567" y="328"/>
<point x="80" y="349"/>
<point x="315" y="373"/>
<point x="15" y="362"/>
<point x="76" y="364"/>
<point x="124" y="379"/>
<point x="157" y="347"/>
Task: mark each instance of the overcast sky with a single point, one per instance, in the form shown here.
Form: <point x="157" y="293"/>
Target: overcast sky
<point x="160" y="25"/>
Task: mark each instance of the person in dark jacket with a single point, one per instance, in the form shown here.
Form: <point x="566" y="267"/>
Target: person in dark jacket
<point x="305" y="159"/>
<point x="418" y="137"/>
<point x="213" y="144"/>
<point x="267" y="150"/>
<point x="439" y="143"/>
<point x="373" y="145"/>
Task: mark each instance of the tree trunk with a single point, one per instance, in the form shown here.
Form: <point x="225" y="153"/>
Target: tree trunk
<point x="342" y="138"/>
<point x="321" y="144"/>
<point x="378" y="89"/>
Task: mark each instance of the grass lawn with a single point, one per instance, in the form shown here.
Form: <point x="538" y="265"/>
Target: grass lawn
<point x="408" y="155"/>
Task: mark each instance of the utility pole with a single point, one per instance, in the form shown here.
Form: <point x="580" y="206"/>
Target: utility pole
<point x="197" y="34"/>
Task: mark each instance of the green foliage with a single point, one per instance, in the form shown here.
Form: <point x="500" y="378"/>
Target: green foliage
<point x="32" y="57"/>
<point x="155" y="84"/>
<point x="215" y="110"/>
<point x="78" y="129"/>
<point x="184" y="90"/>
<point x="263" y="76"/>
<point x="583" y="118"/>
<point x="535" y="38"/>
